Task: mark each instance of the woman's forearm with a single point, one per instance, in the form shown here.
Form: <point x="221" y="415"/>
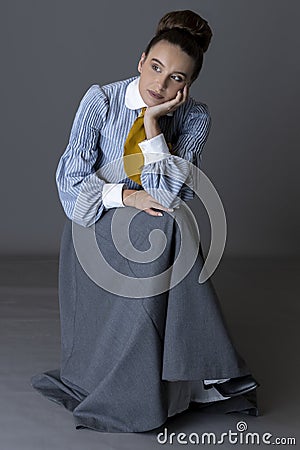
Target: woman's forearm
<point x="152" y="128"/>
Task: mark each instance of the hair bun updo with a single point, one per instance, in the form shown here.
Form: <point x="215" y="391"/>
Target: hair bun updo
<point x="187" y="30"/>
<point x="189" y="22"/>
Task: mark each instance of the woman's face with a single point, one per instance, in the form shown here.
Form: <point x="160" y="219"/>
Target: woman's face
<point x="164" y="71"/>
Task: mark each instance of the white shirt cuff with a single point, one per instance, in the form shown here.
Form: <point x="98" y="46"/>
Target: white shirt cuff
<point x="154" y="149"/>
<point x="112" y="195"/>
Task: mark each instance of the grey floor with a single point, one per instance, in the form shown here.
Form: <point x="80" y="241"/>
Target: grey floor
<point x="260" y="299"/>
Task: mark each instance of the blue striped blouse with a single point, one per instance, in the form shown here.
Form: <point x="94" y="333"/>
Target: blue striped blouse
<point x="94" y="154"/>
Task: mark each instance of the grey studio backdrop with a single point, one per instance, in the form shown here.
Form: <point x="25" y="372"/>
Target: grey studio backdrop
<point x="53" y="51"/>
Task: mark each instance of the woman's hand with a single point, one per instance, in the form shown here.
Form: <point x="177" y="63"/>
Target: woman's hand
<point x="152" y="113"/>
<point x="144" y="201"/>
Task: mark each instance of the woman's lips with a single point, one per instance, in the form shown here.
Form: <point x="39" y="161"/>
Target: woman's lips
<point x="155" y="95"/>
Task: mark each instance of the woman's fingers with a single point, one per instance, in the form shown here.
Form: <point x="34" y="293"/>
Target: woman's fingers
<point x="185" y="93"/>
<point x="144" y="201"/>
<point x="168" y="106"/>
<point x="174" y="103"/>
<point x="180" y="98"/>
<point x="152" y="213"/>
<point x="157" y="205"/>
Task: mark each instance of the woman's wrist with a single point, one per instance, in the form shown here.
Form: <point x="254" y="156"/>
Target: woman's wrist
<point x="152" y="128"/>
<point x="125" y="194"/>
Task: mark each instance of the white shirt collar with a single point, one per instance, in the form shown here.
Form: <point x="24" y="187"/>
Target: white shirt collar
<point x="133" y="98"/>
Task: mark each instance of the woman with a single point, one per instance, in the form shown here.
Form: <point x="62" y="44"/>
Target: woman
<point x="130" y="361"/>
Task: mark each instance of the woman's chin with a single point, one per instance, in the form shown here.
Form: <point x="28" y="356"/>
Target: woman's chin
<point x="154" y="102"/>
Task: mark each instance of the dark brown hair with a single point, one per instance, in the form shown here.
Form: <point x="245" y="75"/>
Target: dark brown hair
<point x="186" y="29"/>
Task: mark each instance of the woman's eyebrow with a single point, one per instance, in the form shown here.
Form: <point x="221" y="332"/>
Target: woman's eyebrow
<point x="157" y="60"/>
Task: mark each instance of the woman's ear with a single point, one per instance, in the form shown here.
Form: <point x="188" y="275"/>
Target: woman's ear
<point x="141" y="62"/>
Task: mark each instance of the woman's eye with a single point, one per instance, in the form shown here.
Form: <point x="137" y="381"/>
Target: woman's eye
<point x="178" y="78"/>
<point x="155" y="67"/>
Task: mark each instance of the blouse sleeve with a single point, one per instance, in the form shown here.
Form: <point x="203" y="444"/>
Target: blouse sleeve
<point x="165" y="177"/>
<point x="79" y="186"/>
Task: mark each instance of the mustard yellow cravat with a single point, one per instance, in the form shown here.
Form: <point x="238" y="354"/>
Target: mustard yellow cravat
<point x="132" y="164"/>
<point x="137" y="134"/>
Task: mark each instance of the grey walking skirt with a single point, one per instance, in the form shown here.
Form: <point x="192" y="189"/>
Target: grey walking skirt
<point x="129" y="363"/>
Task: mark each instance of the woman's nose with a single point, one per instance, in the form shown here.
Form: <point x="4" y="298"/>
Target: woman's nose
<point x="162" y="83"/>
